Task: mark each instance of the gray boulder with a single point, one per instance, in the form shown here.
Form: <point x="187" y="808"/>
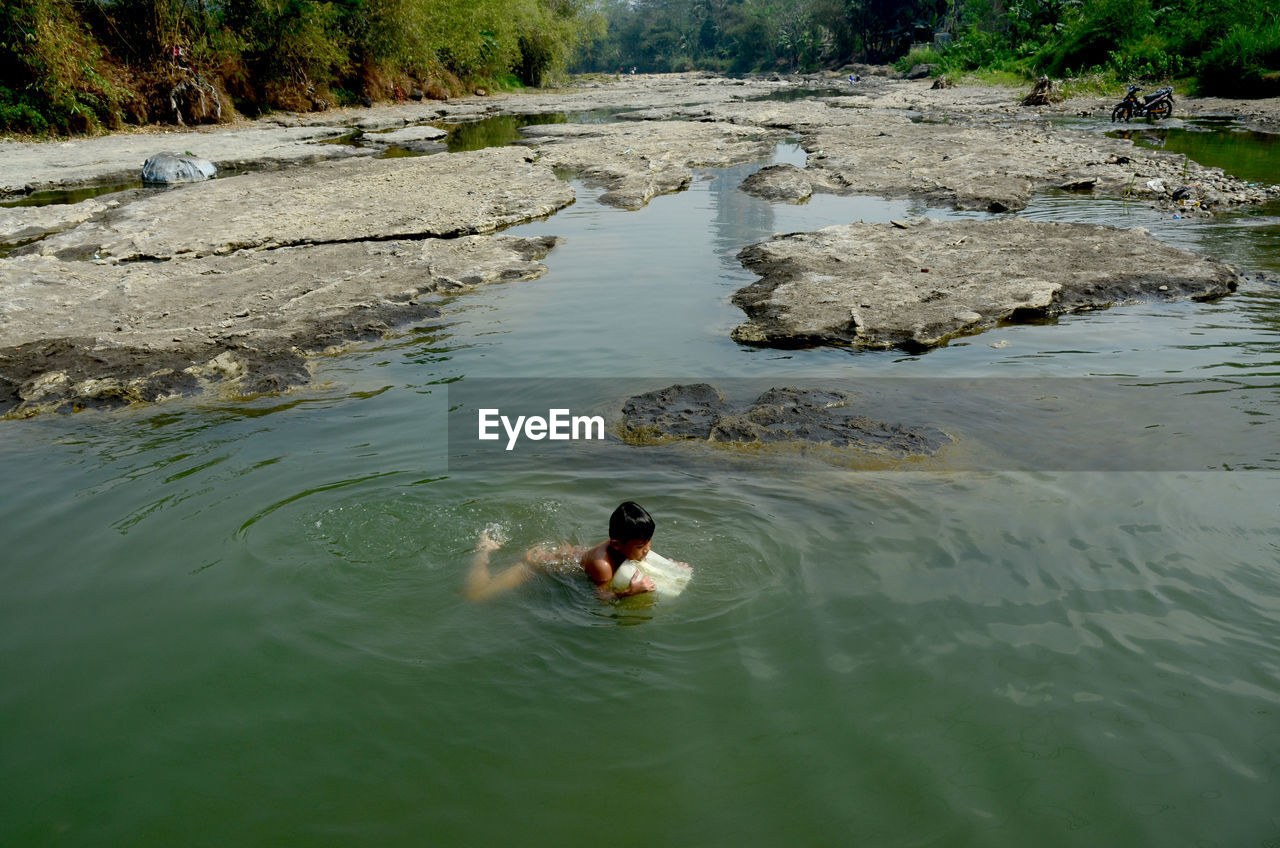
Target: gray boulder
<point x="171" y="168"/>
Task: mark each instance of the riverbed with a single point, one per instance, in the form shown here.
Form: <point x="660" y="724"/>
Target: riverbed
<point x="240" y="620"/>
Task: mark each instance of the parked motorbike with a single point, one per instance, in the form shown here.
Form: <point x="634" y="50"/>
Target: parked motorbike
<point x="1155" y="106"/>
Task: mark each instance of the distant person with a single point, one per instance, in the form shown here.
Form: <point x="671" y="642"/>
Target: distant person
<point x="631" y="531"/>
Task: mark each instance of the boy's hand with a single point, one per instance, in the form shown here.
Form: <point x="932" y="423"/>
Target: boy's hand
<point x="641" y="583"/>
<point x="486" y="542"/>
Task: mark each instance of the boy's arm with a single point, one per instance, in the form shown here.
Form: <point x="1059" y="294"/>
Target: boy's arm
<point x="601" y="574"/>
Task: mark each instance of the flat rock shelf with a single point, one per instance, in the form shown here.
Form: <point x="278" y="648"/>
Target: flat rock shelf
<point x="914" y="285"/>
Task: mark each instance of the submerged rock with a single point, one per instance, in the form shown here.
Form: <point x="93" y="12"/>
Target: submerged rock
<point x="779" y="416"/>
<point x="915" y="287"/>
<point x="174" y="168"/>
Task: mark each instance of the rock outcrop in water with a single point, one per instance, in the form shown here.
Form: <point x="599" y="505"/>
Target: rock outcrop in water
<point x="966" y="151"/>
<point x="331" y="202"/>
<point x="779" y="416"/>
<point x="77" y="335"/>
<point x="198" y="281"/>
<point x="917" y="285"/>
<point x="419" y="139"/>
<point x="639" y="161"/>
<point x="786" y="183"/>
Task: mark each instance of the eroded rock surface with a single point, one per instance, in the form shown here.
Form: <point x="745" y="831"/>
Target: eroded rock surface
<point x="786" y="183"/>
<point x="429" y="196"/>
<point x="639" y="161"/>
<point x="37" y="166"/>
<point x="779" y="416"/>
<point x="995" y="165"/>
<point x="969" y="152"/>
<point x="25" y="222"/>
<point x="311" y="236"/>
<point x="82" y="334"/>
<point x="420" y="139"/>
<point x="917" y="285"/>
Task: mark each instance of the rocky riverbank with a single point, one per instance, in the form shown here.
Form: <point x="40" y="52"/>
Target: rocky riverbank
<point x="140" y="294"/>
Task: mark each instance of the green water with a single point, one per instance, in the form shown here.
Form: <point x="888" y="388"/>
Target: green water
<point x="1244" y="153"/>
<point x="240" y="622"/>
<point x="55" y="197"/>
<point x="500" y="130"/>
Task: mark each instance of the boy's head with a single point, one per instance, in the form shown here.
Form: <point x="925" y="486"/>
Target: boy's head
<point x="630" y="530"/>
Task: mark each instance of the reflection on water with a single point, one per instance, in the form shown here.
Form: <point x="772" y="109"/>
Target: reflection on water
<point x="235" y="623"/>
<point x="1243" y="153"/>
<point x="500" y="130"/>
<point x="62" y="196"/>
<point x="790" y="94"/>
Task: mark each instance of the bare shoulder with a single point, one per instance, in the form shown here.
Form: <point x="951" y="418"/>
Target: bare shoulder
<point x="595" y="561"/>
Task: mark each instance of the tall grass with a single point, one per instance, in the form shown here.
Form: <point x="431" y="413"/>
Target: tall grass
<point x="1244" y="62"/>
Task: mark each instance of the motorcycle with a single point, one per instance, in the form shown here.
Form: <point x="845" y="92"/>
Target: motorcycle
<point x="1156" y="105"/>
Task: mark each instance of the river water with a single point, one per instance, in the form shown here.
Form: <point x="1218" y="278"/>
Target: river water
<point x="240" y="622"/>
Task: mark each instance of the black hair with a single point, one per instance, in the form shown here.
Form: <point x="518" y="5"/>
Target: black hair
<point x="630" y="523"/>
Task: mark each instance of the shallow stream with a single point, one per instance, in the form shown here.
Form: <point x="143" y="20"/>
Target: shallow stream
<point x="241" y="622"/>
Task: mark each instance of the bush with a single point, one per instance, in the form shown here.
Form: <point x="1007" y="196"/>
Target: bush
<point x="1148" y="59"/>
<point x="53" y="73"/>
<point x="976" y="49"/>
<point x="1243" y="62"/>
<point x="1102" y="29"/>
<point x="917" y="56"/>
<point x="16" y="113"/>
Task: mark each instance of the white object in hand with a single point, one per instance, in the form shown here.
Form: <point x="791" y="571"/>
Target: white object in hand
<point x="669" y="578"/>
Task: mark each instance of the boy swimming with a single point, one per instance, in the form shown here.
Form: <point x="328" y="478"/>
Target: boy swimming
<point x="630" y="537"/>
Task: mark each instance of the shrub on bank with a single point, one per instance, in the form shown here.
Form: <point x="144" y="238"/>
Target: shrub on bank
<point x="68" y="66"/>
<point x="53" y="76"/>
<point x="1243" y="63"/>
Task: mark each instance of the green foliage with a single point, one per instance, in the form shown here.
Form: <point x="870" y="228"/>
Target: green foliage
<point x="918" y="56"/>
<point x="1099" y="30"/>
<point x="1244" y="62"/>
<point x="1147" y="58"/>
<point x="1227" y="42"/>
<point x="298" y="41"/>
<point x="52" y="75"/>
<point x="59" y="56"/>
<point x="78" y="66"/>
<point x="1101" y="44"/>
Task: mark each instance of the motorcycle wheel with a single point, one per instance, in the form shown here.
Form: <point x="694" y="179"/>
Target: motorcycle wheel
<point x="1120" y="112"/>
<point x="1160" y="110"/>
